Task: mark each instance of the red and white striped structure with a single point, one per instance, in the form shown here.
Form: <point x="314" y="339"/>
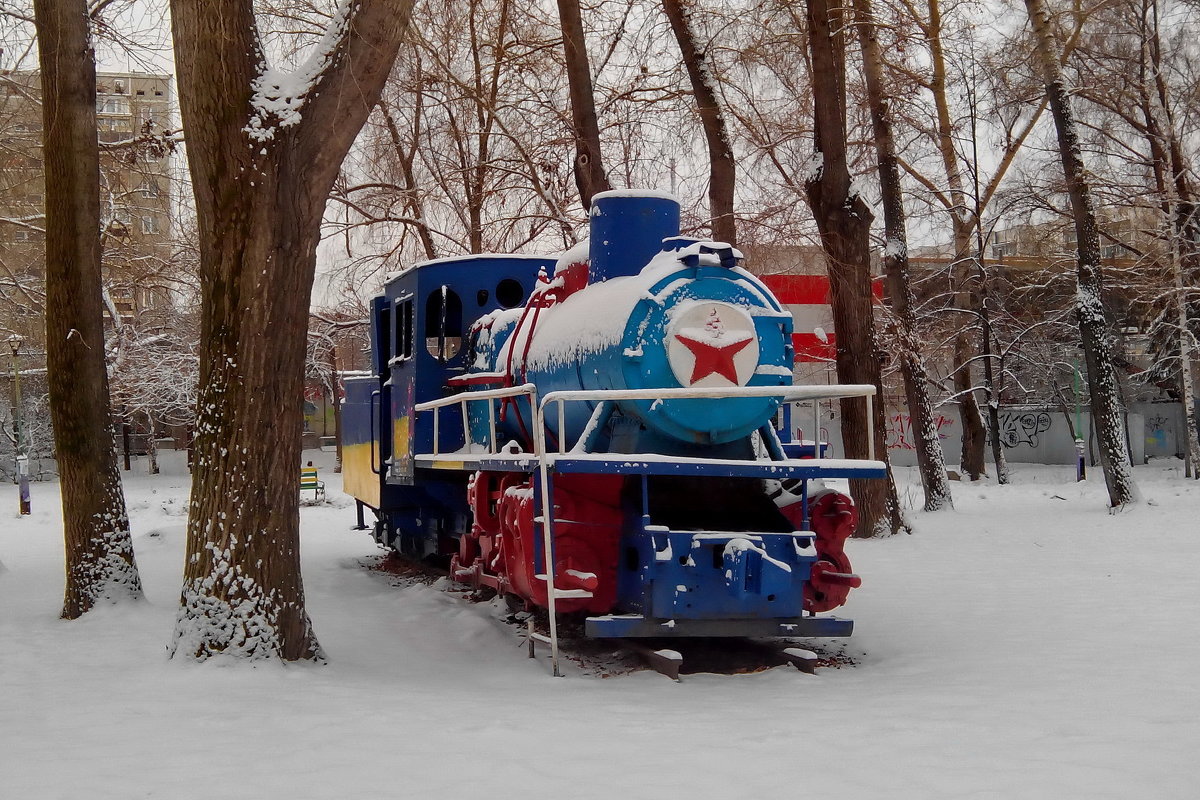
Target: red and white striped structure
<point x="807" y="298"/>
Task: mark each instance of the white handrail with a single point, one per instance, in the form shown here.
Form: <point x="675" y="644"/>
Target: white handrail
<point x="783" y="392"/>
<point x="463" y="398"/>
<point x="486" y="394"/>
<point x="813" y="393"/>
<point x="539" y="445"/>
<point x="539" y="449"/>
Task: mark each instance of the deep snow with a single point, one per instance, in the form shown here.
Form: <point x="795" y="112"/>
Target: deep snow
<point x="1027" y="645"/>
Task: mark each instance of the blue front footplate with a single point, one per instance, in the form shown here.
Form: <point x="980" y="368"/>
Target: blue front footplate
<point x="629" y="626"/>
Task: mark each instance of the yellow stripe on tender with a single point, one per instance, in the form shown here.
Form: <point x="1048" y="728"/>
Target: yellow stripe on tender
<point x="357" y="478"/>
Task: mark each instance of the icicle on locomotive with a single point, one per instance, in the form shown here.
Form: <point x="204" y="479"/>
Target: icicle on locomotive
<point x="613" y="408"/>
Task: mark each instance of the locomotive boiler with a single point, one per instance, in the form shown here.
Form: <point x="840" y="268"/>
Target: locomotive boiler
<point x="605" y="433"/>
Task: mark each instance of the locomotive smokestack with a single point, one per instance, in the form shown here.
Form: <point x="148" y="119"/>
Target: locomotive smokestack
<point x="628" y="227"/>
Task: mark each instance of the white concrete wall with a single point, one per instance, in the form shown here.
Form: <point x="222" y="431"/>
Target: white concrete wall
<point x="1034" y="435"/>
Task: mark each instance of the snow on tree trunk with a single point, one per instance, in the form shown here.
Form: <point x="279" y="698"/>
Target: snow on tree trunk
<point x="722" y="175"/>
<point x="151" y="446"/>
<point x="264" y="148"/>
<point x="1107" y="413"/>
<point x="844" y="222"/>
<point x="930" y="459"/>
<point x="590" y="177"/>
<point x="989" y="386"/>
<point x="100" y="563"/>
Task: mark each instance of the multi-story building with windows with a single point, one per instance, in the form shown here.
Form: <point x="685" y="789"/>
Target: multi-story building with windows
<point x="132" y="112"/>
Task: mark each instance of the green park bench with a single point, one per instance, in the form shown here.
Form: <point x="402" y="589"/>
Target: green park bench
<point x="310" y="483"/>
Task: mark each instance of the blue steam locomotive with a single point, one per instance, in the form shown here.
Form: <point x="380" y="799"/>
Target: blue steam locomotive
<point x="619" y="413"/>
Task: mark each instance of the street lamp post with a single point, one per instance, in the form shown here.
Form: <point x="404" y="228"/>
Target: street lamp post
<point x="14" y="342"/>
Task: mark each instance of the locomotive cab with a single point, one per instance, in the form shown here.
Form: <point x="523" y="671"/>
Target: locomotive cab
<point x="418" y="327"/>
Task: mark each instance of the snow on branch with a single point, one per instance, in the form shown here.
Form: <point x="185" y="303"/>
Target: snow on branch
<point x="279" y="96"/>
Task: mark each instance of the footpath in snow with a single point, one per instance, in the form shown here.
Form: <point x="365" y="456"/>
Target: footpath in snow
<point x="1026" y="645"/>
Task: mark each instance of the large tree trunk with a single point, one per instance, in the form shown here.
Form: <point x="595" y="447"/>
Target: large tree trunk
<point x="262" y="169"/>
<point x="844" y="222"/>
<point x="1097" y="345"/>
<point x="722" y="175"/>
<point x="930" y="460"/>
<point x="590" y="177"/>
<point x="99" y="550"/>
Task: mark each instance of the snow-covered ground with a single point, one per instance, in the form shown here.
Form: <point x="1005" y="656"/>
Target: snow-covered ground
<point x="1027" y="645"/>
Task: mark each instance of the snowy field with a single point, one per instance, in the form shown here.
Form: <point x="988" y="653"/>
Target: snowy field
<point x="1027" y="645"/>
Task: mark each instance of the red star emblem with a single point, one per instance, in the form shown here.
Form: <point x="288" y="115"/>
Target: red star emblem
<point x="714" y="359"/>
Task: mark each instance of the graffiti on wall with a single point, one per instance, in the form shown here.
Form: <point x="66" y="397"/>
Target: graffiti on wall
<point x="1157" y="427"/>
<point x="900" y="433"/>
<point x="1023" y="428"/>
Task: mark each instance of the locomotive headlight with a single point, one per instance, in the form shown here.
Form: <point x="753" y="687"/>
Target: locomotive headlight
<point x="712" y="344"/>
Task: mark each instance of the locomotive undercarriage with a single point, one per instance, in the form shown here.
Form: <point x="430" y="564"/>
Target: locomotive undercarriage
<point x="663" y="556"/>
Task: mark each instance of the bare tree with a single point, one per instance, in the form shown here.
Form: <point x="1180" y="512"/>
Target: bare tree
<point x="1097" y="344"/>
<point x="99" y="549"/>
<point x="962" y="222"/>
<point x="1013" y="111"/>
<point x="470" y="149"/>
<point x="265" y="148"/>
<point x="930" y="459"/>
<point x="1179" y="205"/>
<point x="844" y="221"/>
<point x="590" y="176"/>
<point x="722" y="173"/>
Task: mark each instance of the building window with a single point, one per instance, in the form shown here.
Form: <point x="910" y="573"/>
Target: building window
<point x="149" y="188"/>
<point x="26" y="235"/>
<point x="150" y="225"/>
<point x="112" y="105"/>
<point x="113" y="124"/>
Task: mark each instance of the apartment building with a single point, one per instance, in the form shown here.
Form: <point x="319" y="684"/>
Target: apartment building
<point x="135" y="195"/>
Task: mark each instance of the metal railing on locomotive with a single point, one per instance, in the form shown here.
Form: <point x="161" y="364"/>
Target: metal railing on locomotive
<point x="813" y="394"/>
